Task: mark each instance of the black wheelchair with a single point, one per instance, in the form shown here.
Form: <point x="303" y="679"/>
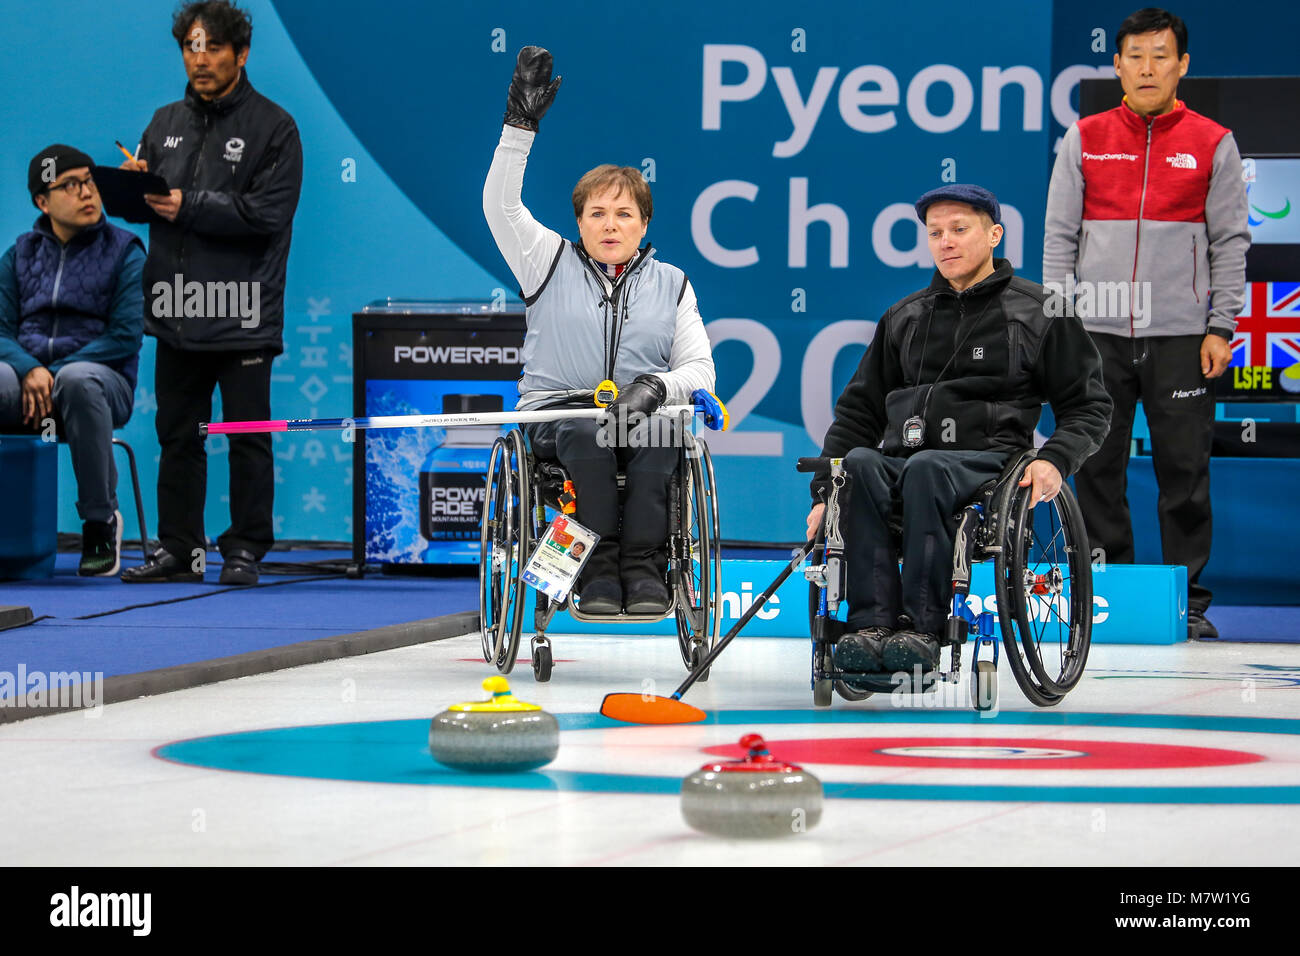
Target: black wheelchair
<point x="1042" y="590"/>
<point x="523" y="494"/>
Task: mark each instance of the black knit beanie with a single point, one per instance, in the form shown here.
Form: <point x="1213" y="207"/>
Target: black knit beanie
<point x="41" y="172"/>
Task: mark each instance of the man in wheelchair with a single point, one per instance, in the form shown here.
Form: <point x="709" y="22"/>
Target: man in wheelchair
<point x="951" y="385"/>
<point x="602" y="309"/>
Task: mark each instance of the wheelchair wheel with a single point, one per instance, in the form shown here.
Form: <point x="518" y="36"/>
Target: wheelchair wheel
<point x="542" y="663"/>
<point x="697" y="557"/>
<point x="698" y="652"/>
<point x="822" y="692"/>
<point x="1044" y="584"/>
<point x="503" y="551"/>
<point x="984" y="685"/>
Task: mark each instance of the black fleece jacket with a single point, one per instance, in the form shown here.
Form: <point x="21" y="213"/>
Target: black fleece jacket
<point x="238" y="164"/>
<point x="977" y="366"/>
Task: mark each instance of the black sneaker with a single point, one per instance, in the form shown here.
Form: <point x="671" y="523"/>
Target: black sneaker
<point x="601" y="596"/>
<point x="646" y="596"/>
<point x="239" y="567"/>
<point x="1199" y="628"/>
<point x="101" y="547"/>
<point x="905" y="649"/>
<point x="859" y="652"/>
<point x="163" y="567"/>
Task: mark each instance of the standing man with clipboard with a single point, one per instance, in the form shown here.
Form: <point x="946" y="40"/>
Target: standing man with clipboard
<point x="214" y="287"/>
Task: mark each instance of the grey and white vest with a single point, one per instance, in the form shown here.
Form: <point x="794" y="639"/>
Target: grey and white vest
<point x="578" y="336"/>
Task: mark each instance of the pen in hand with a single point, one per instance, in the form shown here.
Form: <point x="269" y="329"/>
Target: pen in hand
<point x="132" y="162"/>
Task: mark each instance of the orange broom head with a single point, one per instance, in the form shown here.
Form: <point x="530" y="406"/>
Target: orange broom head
<point x="648" y="709"/>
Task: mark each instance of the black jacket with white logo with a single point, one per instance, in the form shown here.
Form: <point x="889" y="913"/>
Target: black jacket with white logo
<point x="975" y="367"/>
<point x="238" y="164"/>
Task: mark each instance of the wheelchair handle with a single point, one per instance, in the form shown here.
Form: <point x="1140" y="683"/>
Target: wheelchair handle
<point x="813" y="464"/>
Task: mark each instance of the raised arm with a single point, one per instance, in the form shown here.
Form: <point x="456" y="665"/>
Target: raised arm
<point x="528" y="247"/>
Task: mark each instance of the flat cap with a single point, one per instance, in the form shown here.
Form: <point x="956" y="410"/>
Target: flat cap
<point x="976" y="196"/>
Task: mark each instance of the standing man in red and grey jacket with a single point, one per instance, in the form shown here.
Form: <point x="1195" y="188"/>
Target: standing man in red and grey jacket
<point x="214" y="288"/>
<point x="1146" y="238"/>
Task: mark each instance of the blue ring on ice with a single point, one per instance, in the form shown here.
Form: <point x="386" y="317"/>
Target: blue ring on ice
<point x="396" y="751"/>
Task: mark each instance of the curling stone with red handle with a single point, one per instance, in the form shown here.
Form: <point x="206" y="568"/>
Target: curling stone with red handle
<point x="759" y="796"/>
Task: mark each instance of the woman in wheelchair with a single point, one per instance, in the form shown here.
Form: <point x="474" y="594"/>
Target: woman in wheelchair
<point x="951" y="385"/>
<point x="601" y="309"/>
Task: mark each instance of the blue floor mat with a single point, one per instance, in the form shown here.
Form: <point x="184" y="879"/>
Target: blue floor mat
<point x="80" y="632"/>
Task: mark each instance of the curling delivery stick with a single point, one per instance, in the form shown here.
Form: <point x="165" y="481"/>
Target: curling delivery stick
<point x="705" y="404"/>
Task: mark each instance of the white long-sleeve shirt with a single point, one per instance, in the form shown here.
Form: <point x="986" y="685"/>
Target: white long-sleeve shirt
<point x="529" y="249"/>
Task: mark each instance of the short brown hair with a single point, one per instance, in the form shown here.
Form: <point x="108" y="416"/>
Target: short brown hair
<point x="622" y="178"/>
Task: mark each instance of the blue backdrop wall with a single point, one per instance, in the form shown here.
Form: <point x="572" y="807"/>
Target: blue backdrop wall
<point x="784" y="146"/>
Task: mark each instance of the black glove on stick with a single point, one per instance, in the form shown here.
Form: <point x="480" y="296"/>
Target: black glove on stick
<point x="531" y="88"/>
<point x="644" y="395"/>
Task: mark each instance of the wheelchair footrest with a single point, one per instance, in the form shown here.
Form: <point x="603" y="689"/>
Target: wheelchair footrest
<point x="827" y="630"/>
<point x="883" y="683"/>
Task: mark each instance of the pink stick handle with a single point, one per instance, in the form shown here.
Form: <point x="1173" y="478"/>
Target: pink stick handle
<point x="231" y="428"/>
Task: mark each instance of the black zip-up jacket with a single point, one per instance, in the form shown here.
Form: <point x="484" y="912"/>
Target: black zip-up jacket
<point x="238" y="164"/>
<point x="977" y="365"/>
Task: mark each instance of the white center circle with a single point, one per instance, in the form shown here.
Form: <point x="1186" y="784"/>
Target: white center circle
<point x="982" y="753"/>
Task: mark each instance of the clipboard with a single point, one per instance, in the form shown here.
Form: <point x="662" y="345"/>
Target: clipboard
<point x="123" y="192"/>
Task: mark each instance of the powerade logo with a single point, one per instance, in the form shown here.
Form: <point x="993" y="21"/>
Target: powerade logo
<point x="456" y="355"/>
<point x="456" y="502"/>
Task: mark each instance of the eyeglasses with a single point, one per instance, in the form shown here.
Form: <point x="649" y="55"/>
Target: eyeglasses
<point x="74" y="186"/>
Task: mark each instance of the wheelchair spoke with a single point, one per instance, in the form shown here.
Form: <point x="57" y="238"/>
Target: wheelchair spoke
<point x="1039" y="563"/>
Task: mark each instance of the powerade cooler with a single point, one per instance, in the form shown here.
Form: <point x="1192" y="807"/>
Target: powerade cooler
<point x="452" y="483"/>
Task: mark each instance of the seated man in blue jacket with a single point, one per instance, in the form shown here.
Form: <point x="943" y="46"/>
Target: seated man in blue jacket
<point x="71" y="324"/>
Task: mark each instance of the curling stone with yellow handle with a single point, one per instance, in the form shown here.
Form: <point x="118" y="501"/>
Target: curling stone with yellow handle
<point x="498" y="735"/>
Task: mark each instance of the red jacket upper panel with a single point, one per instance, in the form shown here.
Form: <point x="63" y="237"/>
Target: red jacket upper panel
<point x="1146" y="223"/>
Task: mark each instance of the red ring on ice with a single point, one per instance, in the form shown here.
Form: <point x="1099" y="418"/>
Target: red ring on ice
<point x="1021" y="753"/>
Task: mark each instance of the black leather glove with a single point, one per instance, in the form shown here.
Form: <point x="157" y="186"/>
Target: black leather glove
<point x="644" y="395"/>
<point x="531" y="88"/>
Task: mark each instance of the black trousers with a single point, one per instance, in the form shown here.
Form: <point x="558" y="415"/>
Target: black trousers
<point x="933" y="485"/>
<point x="1165" y="373"/>
<point x="184" y="382"/>
<point x="633" y="538"/>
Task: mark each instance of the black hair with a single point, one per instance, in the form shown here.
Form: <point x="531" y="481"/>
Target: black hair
<point x="223" y="22"/>
<point x="1152" y="20"/>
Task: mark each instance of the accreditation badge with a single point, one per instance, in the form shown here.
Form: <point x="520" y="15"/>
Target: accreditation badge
<point x="559" y="557"/>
